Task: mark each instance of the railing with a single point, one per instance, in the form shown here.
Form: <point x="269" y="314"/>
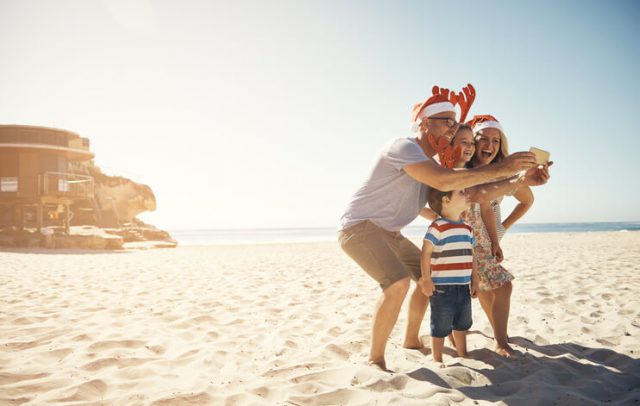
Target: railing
<point x="67" y="184"/>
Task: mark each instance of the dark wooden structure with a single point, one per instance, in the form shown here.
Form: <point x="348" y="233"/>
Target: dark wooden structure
<point x="40" y="176"/>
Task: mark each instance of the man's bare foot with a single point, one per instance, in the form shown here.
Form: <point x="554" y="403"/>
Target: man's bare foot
<point x="414" y="344"/>
<point x="381" y="365"/>
<point x="505" y="350"/>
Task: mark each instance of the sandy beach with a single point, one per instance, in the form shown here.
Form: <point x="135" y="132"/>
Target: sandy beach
<point x="289" y="324"/>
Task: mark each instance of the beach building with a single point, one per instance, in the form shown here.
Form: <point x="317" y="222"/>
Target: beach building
<point x="42" y="173"/>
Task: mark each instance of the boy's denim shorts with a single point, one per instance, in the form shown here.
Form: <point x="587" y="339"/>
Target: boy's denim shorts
<point x="450" y="309"/>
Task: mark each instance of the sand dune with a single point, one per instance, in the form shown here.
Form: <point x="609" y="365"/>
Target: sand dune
<point x="289" y="324"/>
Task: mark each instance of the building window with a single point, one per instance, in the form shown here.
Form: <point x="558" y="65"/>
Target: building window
<point x="8" y="184"/>
<point x="63" y="185"/>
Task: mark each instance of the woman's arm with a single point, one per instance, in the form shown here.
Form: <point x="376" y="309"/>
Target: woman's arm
<point x="489" y="220"/>
<point x="525" y="197"/>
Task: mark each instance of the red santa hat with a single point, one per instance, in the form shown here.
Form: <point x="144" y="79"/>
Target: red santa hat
<point x="480" y="122"/>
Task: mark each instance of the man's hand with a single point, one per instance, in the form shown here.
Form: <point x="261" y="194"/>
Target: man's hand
<point x="518" y="161"/>
<point x="427" y="286"/>
<point x="537" y="176"/>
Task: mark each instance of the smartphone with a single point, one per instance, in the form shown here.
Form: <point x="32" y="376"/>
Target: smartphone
<point x="542" y="156"/>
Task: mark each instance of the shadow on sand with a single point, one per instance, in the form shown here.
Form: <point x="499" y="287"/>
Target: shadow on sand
<point x="557" y="374"/>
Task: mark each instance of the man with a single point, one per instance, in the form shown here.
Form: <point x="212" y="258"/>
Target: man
<point x="393" y="196"/>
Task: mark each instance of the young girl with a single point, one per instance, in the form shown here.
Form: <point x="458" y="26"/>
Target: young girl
<point x="463" y="138"/>
<point x="485" y="219"/>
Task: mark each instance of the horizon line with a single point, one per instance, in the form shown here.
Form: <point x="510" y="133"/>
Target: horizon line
<point x="336" y="227"/>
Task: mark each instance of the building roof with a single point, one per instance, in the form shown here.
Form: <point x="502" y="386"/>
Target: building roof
<point x="65" y="142"/>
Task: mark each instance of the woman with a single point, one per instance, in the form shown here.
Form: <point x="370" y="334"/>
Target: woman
<point x="485" y="219"/>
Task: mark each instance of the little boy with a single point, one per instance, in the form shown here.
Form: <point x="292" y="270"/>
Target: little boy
<point x="449" y="275"/>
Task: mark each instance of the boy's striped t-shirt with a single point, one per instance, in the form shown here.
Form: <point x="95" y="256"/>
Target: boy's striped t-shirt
<point x="452" y="256"/>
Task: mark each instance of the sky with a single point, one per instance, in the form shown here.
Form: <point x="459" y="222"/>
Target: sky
<point x="254" y="114"/>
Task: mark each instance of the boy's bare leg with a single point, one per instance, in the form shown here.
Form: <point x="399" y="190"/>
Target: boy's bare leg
<point x="417" y="308"/>
<point x="500" y="311"/>
<point x="461" y="342"/>
<point x="384" y="318"/>
<point x="437" y="345"/>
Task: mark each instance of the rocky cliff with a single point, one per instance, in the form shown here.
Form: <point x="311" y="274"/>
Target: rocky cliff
<point x="119" y="199"/>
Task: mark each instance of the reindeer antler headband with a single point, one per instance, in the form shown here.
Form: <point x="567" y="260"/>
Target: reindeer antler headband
<point x="445" y="100"/>
<point x="440" y="101"/>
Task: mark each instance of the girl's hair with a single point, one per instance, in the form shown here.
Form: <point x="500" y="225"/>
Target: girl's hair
<point x="503" y="152"/>
<point x="434" y="197"/>
<point x="460" y="128"/>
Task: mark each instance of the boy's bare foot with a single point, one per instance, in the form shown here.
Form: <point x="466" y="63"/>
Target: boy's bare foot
<point x="381" y="365"/>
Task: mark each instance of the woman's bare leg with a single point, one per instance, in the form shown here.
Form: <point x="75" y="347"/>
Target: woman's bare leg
<point x="500" y="312"/>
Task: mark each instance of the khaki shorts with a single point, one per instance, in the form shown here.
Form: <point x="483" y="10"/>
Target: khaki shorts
<point x="387" y="256"/>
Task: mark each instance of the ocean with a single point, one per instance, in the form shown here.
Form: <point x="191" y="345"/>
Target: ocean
<point x="293" y="235"/>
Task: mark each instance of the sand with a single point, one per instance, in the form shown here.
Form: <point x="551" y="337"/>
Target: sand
<point x="289" y="324"/>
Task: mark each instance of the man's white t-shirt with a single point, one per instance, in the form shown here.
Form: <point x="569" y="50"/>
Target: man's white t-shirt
<point x="389" y="197"/>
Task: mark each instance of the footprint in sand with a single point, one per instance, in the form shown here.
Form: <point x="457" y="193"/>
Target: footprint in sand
<point x="29" y="320"/>
<point x="108" y="345"/>
<point x="21" y="346"/>
<point x="156" y="349"/>
<point x="203" y="319"/>
<point x="394" y="384"/>
<point x="81" y="337"/>
<point x="202" y="398"/>
<point x="92" y="390"/>
<point x="8" y="378"/>
<point x="59" y="354"/>
<point x="117" y="362"/>
<point x="336" y="350"/>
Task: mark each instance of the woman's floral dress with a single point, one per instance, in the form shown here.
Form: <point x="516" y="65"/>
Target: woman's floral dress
<point x="492" y="274"/>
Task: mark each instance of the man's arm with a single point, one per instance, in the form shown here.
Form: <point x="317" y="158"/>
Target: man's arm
<point x="432" y="174"/>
